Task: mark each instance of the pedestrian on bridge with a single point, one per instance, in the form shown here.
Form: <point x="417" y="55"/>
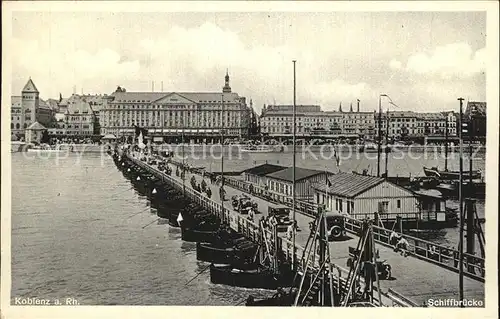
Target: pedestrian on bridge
<point x="403" y="246"/>
<point x="393" y="239"/>
<point x="251" y="214"/>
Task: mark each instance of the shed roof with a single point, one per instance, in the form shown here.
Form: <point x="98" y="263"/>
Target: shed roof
<point x="434" y="193"/>
<point x="348" y="184"/>
<point x="264" y="169"/>
<point x="300" y="174"/>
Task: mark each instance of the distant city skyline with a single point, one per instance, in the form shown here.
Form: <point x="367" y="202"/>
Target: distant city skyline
<point x="423" y="60"/>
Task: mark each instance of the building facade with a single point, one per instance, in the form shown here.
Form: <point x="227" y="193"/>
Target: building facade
<point x="401" y="124"/>
<point x="257" y="175"/>
<point x="28" y="109"/>
<point x="76" y="117"/>
<point x="361" y="196"/>
<point x="280" y="183"/>
<point x="199" y="115"/>
<point x="475" y="113"/>
<point x="277" y="120"/>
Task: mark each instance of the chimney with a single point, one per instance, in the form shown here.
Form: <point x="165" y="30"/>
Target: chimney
<point x="358" y="105"/>
<point x="152" y="86"/>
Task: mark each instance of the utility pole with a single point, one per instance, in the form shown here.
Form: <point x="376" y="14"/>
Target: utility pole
<point x="293" y="163"/>
<point x="460" y="195"/>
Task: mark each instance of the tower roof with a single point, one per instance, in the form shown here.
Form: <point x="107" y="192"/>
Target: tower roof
<point x="226" y="88"/>
<point x="30" y="87"/>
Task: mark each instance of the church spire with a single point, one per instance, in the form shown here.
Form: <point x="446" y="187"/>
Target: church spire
<point x="226" y="88"/>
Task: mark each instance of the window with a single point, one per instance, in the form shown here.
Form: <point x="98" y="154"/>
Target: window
<point x="399" y="203"/>
<point x="383" y="207"/>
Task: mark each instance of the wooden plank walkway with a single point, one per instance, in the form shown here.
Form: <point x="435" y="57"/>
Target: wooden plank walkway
<point x="413" y="278"/>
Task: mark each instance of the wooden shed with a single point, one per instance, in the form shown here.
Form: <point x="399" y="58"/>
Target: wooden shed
<point x="280" y="183"/>
<point x="257" y="175"/>
<point x="360" y="196"/>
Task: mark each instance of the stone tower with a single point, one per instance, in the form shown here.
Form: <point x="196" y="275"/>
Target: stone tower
<point x="29" y="104"/>
<point x="226" y="88"/>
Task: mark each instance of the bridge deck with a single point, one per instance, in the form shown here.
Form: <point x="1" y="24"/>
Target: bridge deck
<point x="413" y="278"/>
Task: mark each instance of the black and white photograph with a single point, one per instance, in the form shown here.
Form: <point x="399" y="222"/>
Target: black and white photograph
<point x="249" y="154"/>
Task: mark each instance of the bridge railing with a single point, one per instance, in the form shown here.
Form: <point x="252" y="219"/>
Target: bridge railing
<point x="434" y="253"/>
<point x="251" y="230"/>
<point x="443" y="256"/>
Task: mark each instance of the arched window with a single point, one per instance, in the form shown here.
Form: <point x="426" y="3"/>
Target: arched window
<point x="18" y="126"/>
<point x="11" y="126"/>
<point x="25" y="125"/>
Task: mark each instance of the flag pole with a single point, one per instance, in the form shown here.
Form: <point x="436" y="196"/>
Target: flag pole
<point x="293" y="170"/>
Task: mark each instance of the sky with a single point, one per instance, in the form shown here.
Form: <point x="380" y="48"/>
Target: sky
<point x="423" y="60"/>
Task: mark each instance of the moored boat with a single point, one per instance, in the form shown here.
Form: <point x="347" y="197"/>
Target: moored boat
<point x="449" y="175"/>
<point x="261" y="149"/>
<point x="223" y="254"/>
<point x="260" y="277"/>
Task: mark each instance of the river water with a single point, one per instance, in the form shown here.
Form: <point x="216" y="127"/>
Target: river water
<point x="80" y="231"/>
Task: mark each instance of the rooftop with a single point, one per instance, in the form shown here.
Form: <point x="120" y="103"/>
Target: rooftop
<point x="36" y="127"/>
<point x="477" y="108"/>
<point x="348" y="184"/>
<point x="300" y="173"/>
<point x="196" y="97"/>
<point x="30" y="87"/>
<point x="79" y="107"/>
<point x="264" y="169"/>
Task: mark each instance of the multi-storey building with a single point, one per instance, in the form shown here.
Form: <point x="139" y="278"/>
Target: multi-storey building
<point x="198" y="115"/>
<point x="28" y="109"/>
<point x="76" y="116"/>
<point x="475" y="112"/>
<point x="80" y="119"/>
<point x="413" y="124"/>
<point x="277" y="120"/>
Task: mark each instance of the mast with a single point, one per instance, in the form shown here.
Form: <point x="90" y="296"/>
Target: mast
<point x="293" y="163"/>
<point x="460" y="186"/>
<point x="387" y="145"/>
<point x="471" y="137"/>
<point x="379" y="140"/>
<point x="222" y="142"/>
<point x="183" y="157"/>
<point x="446" y="146"/>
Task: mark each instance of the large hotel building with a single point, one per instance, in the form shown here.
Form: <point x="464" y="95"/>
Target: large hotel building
<point x="199" y="116"/>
